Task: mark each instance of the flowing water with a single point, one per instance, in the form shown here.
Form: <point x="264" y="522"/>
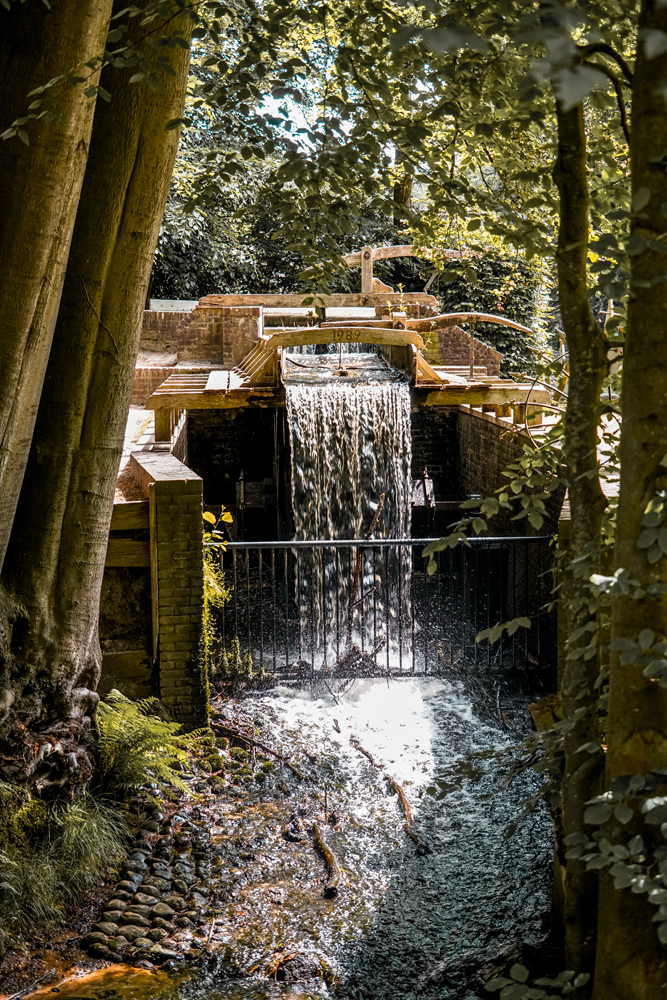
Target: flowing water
<point x="350" y="440"/>
<point x="405" y="925"/>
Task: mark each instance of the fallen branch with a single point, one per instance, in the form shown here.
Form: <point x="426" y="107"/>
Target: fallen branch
<point x="233" y="735"/>
<point x="333" y="882"/>
<point x="29" y="989"/>
<point x="357" y="746"/>
<point x="422" y="848"/>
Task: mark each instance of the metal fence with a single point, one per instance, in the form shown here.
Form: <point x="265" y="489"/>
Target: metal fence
<point x="295" y="607"/>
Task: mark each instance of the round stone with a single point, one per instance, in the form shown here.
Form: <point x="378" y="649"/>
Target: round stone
<point x="119" y="895"/>
<point x="142" y="911"/>
<point x="95" y="937"/>
<point x="183" y="922"/>
<point x="118" y="904"/>
<point x="131" y="932"/>
<point x="128" y="886"/>
<point x="147" y="896"/>
<point x="176" y="902"/>
<point x="143" y="846"/>
<point x="117" y="943"/>
<point x="162" y="871"/>
<point x="180" y="885"/>
<point x="162" y="910"/>
<point x="106" y="928"/>
<point x="135" y="919"/>
<point x="165" y="924"/>
<point x="111" y="916"/>
<point x="157" y="934"/>
<point x="139" y="855"/>
<point x="134" y="866"/>
<point x="143" y="942"/>
<point x="152" y="826"/>
<point x="157" y="882"/>
<point x="99" y="951"/>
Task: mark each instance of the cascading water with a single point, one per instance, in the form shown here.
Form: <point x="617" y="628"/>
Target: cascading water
<point x="350" y="443"/>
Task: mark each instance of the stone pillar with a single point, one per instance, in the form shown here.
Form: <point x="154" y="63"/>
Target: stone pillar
<point x="177" y="582"/>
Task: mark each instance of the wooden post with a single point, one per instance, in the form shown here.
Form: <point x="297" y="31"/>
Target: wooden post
<point x="367" y="270"/>
<point x="163" y="425"/>
<point x="472" y="348"/>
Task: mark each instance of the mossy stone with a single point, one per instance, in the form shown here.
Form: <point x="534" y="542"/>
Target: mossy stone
<point x="162" y="910"/>
<point x="131" y="932"/>
<point x="165" y="924"/>
<point x="136" y="919"/>
<point x="118" y="904"/>
<point x="147" y="895"/>
<point x="111" y="916"/>
<point x="117" y="944"/>
<point x="143" y="942"/>
<point x="94" y="937"/>
<point x="237" y="753"/>
<point x="105" y="928"/>
<point x="158" y="933"/>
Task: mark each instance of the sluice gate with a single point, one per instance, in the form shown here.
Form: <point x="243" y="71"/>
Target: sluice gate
<point x="347" y="608"/>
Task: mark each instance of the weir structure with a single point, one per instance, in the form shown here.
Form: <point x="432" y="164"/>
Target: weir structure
<point x="309" y="598"/>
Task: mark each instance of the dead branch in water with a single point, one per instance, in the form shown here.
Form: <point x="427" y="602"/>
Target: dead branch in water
<point x="333" y="882"/>
<point x="251" y="741"/>
<point x="402" y="798"/>
<point x="357" y="746"/>
<point x="357" y="568"/>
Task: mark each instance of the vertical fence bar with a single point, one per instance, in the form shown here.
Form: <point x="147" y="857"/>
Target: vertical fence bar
<point x="410" y="555"/>
<point x="375" y="607"/>
<point x="285" y="569"/>
<point x="488" y="604"/>
<point x="273" y="602"/>
<point x="221" y="557"/>
<point x="337" y="605"/>
<point x="236" y="603"/>
<point x="261" y="613"/>
<point x="247" y="580"/>
<point x="325" y="610"/>
<point x="400" y="607"/>
<point x="312" y="616"/>
<point x="386" y="606"/>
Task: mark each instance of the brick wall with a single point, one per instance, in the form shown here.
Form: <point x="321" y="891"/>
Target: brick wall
<point x="221" y="334"/>
<point x="488" y="445"/>
<point x="453" y="348"/>
<point x="221" y="443"/>
<point x="177" y="584"/>
<point x="435" y="446"/>
<point x="159" y="331"/>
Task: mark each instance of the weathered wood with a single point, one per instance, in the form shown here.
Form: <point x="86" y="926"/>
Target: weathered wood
<point x="453" y="319"/>
<point x="127" y="552"/>
<point x="367" y="269"/>
<point x="348" y="335"/>
<point x="340" y="300"/>
<point x="384" y="253"/>
<point x="129" y="663"/>
<point x="333" y="882"/>
<point x="163" y="425"/>
<point x="129" y="516"/>
<point x="218" y="381"/>
<point x="237" y="398"/>
<point x="476" y="395"/>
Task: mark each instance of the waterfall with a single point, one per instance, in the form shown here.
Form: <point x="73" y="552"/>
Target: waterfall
<point x="349" y="444"/>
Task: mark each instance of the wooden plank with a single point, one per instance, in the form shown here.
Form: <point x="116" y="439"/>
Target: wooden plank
<point x="340" y="300"/>
<point x="129" y="516"/>
<point x="127" y="552"/>
<point x="348" y="335"/>
<point x="257" y="397"/>
<point x="218" y="381"/>
<point x="366" y="269"/>
<point x="163" y="425"/>
<point x="129" y="663"/>
<point x="152" y="559"/>
<point x="476" y="395"/>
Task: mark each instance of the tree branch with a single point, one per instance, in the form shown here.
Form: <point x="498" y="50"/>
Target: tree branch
<point x="619" y="96"/>
<point x="607" y="50"/>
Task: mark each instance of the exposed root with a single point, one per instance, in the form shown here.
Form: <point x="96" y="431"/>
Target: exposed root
<point x="333" y="882"/>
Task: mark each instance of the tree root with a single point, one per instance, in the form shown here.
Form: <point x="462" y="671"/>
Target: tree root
<point x="251" y="741"/>
<point x="333" y="882"/>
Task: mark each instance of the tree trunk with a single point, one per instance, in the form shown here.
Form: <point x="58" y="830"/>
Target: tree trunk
<point x="56" y="555"/>
<point x="588" y="364"/>
<point x="631" y="963"/>
<point x="39" y="192"/>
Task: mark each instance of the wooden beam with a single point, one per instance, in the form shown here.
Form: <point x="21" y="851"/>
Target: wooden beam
<point x="163" y="427"/>
<point x="367" y="269"/>
<point x="129" y="516"/>
<point x="235" y="399"/>
<point x="453" y="319"/>
<point x="341" y="300"/>
<point x="477" y="395"/>
<point x="127" y="552"/>
<point x="347" y="335"/>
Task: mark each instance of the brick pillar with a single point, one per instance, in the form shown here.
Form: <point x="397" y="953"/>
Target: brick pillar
<point x="177" y="582"/>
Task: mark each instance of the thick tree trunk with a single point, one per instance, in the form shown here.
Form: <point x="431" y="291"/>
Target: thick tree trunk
<point x="39" y="192"/>
<point x="587" y="348"/>
<point x="631" y="964"/>
<point x="56" y="555"/>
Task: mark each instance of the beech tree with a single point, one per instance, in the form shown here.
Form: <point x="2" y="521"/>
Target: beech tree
<point x="84" y="175"/>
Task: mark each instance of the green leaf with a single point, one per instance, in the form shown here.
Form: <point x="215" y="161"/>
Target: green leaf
<point x="153" y="81"/>
<point x="640" y="199"/>
<point x="519" y="973"/>
<point x="662" y="933"/>
<point x="597" y="814"/>
<point x="227" y="517"/>
<point x="646" y="637"/>
<point x="623" y="813"/>
<point x="209" y="517"/>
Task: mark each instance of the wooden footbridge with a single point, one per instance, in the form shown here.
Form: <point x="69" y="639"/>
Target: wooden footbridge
<point x="398" y="335"/>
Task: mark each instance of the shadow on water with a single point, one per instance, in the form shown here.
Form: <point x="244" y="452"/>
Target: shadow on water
<point x="403" y="924"/>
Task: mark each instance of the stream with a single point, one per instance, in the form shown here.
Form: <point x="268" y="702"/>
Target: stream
<point x="405" y="923"/>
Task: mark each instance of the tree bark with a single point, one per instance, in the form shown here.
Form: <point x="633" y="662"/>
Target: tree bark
<point x="55" y="559"/>
<point x="40" y="185"/>
<point x="631" y="963"/>
<point x="587" y="348"/>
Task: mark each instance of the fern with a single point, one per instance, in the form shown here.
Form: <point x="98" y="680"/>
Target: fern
<point x="138" y="751"/>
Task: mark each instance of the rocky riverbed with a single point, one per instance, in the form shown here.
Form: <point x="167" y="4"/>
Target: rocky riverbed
<point x="225" y="896"/>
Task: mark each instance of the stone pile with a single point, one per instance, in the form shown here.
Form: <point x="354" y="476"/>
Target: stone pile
<point x="157" y="904"/>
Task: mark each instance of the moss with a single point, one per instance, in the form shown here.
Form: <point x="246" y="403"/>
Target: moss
<point x="243" y="774"/>
<point x="214" y="781"/>
<point x="237" y="753"/>
<point x="260" y="777"/>
<point x="268" y="766"/>
<point x="222" y="743"/>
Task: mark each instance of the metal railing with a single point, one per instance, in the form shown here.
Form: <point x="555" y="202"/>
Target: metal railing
<point x="295" y="609"/>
